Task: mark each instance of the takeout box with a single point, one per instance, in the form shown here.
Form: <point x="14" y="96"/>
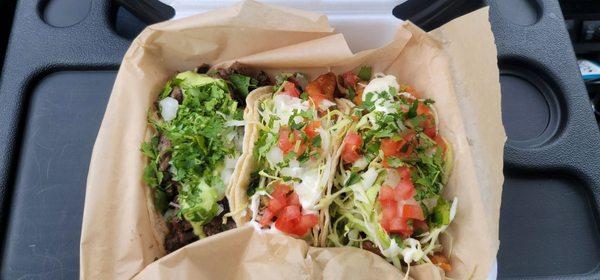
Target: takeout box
<point x="455" y="65"/>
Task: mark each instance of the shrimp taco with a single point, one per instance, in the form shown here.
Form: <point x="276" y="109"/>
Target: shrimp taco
<point x="296" y="127"/>
<point x="387" y="189"/>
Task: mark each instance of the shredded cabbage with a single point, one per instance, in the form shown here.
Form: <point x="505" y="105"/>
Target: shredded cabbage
<point x="355" y="210"/>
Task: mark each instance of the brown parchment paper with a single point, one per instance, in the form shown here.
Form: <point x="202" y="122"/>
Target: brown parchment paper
<point x="455" y="65"/>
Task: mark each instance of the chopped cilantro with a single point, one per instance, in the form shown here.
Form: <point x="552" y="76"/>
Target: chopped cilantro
<point x="253" y="184"/>
<point x="316" y="141"/>
<point x="304" y="96"/>
<point x="242" y="85"/>
<point x="365" y="73"/>
<point x="394" y="162"/>
<point x="280" y="78"/>
<point x="372" y="147"/>
<point x="291" y="155"/>
<point x="351" y="93"/>
<point x="412" y="112"/>
<point x="353" y="179"/>
<point x="304" y="157"/>
<point x="198" y="145"/>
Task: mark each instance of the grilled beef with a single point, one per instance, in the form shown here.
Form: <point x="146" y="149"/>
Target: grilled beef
<point x="369" y="246"/>
<point x="180" y="234"/>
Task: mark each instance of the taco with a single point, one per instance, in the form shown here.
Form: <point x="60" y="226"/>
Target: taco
<point x="387" y="194"/>
<point x="296" y="127"/>
<point x="196" y="140"/>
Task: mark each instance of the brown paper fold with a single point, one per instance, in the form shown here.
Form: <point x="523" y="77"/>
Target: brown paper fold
<point x="244" y="253"/>
<point x="455" y="65"/>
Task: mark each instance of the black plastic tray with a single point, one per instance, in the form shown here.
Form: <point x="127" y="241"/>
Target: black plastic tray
<point x="56" y="81"/>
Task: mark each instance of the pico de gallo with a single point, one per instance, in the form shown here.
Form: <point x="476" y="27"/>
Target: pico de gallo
<point x="394" y="164"/>
<point x="298" y="126"/>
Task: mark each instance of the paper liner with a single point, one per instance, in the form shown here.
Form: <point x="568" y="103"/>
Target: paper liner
<point x="454" y="65"/>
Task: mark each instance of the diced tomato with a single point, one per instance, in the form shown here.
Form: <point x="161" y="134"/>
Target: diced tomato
<point x="290" y="89"/>
<point x="404" y="190"/>
<point x="410" y="211"/>
<point x="287" y="141"/>
<point x="430" y="131"/>
<point x="389" y="147"/>
<point x="288" y="218"/>
<point x="398" y="205"/>
<point x="284" y="205"/>
<point x="276" y="204"/>
<point x="422" y="109"/>
<point x="323" y="87"/>
<point x="281" y="191"/>
<point x="400" y="225"/>
<point x="267" y="218"/>
<point x="311" y="129"/>
<point x="386" y="193"/>
<point x="385" y="224"/>
<point x="293" y="199"/>
<point x="351" y="150"/>
<point x="389" y="209"/>
<point x="290" y="212"/>
<point x="428" y="124"/>
<point x="285" y="225"/>
<point x="404" y="172"/>
<point x="291" y="221"/>
<point x="308" y="221"/>
<point x="397" y="148"/>
<point x="285" y="144"/>
<point x="440" y="142"/>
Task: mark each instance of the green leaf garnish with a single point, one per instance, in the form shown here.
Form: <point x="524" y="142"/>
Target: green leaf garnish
<point x="365" y="73"/>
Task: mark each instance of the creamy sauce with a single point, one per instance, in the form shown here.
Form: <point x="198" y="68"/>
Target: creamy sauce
<point x="310" y="186"/>
<point x="284" y="106"/>
<point x="376" y="87"/>
<point x="168" y="108"/>
<point x="309" y="190"/>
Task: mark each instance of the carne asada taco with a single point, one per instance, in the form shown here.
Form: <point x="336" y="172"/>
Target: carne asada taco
<point x="387" y="194"/>
<point x="295" y="130"/>
<point x="196" y="141"/>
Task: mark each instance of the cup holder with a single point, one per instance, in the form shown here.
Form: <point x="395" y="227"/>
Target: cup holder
<point x="530" y="108"/>
<point x="64" y="13"/>
<point x="520" y="12"/>
<point x="126" y="24"/>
